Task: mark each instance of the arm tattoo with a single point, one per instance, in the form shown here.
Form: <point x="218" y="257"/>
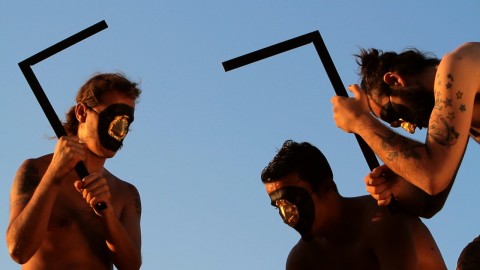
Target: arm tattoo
<point x="445" y="134"/>
<point x="449" y="84"/>
<point x="398" y="146"/>
<point x="441" y="129"/>
<point x="459" y="95"/>
<point x="136" y="197"/>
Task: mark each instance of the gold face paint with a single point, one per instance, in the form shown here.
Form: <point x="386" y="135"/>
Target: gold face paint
<point x="407" y="126"/>
<point x="288" y="211"/>
<point x="118" y="128"/>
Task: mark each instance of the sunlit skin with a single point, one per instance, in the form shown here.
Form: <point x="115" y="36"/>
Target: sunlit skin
<point x="53" y="224"/>
<point x="430" y="165"/>
<point x="355" y="233"/>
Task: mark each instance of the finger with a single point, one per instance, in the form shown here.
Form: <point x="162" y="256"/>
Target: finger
<point x="384" y="202"/>
<point x="360" y="95"/>
<point x="376" y="181"/>
<point x="78" y="186"/>
<point x="94" y="199"/>
<point x="335" y="100"/>
<point x="381" y="196"/>
<point x="94" y="188"/>
<point x="91" y="178"/>
<point x="378" y="189"/>
<point x="355" y="89"/>
<point x="92" y="192"/>
<point x="381" y="170"/>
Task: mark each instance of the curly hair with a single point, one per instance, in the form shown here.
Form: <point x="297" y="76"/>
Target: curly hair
<point x="373" y="64"/>
<point x="92" y="92"/>
<point x="304" y="159"/>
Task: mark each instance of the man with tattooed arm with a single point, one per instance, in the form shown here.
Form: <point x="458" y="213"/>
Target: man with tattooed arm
<point x="55" y="221"/>
<point x="411" y="89"/>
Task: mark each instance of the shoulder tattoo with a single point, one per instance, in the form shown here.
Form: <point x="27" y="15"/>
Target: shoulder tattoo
<point x="136" y="199"/>
<point x="441" y="129"/>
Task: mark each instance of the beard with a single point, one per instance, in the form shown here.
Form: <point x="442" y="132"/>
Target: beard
<point x="418" y="102"/>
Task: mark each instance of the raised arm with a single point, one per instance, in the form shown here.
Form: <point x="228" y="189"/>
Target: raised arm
<point x="33" y="195"/>
<point x="430" y="165"/>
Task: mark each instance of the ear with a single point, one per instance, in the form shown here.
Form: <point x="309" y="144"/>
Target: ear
<point x="81" y="112"/>
<point x="393" y="79"/>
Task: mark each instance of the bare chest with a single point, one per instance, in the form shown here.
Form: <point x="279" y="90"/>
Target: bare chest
<point x="72" y="216"/>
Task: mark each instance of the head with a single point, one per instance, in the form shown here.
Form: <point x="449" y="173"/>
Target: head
<point x="295" y="173"/>
<point x="396" y="85"/>
<point x="105" y="104"/>
<point x="469" y="258"/>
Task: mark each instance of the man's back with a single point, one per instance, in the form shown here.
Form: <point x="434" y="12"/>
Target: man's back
<point x="371" y="237"/>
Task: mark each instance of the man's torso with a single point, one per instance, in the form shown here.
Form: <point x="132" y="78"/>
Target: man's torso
<point x="76" y="237"/>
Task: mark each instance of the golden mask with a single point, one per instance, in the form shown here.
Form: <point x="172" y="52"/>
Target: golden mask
<point x="288" y="211"/>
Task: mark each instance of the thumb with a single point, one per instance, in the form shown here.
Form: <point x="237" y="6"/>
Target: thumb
<point x="356" y="90"/>
<point x="359" y="94"/>
<point x="382" y="169"/>
<point x="78" y="185"/>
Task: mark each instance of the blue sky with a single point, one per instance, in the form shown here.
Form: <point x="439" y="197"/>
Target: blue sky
<point x="201" y="135"/>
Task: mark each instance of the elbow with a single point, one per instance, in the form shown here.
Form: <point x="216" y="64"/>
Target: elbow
<point x="17" y="251"/>
<point x="136" y="265"/>
<point x="436" y="183"/>
<point x="132" y="264"/>
<point x="435" y="203"/>
<point x="431" y="210"/>
<point x="18" y="256"/>
<point x="432" y="190"/>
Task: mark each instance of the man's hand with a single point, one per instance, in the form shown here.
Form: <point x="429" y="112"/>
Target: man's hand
<point x="348" y="111"/>
<point x="378" y="186"/>
<point x="94" y="189"/>
<point x="68" y="152"/>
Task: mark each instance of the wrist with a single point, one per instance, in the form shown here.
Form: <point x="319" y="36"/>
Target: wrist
<point x="364" y="124"/>
<point x="52" y="176"/>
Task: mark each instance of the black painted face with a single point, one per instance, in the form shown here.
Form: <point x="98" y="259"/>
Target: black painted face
<point x="419" y="103"/>
<point x="296" y="207"/>
<point x="113" y="124"/>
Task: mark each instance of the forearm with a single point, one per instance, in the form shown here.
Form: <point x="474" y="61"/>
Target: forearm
<point x="417" y="202"/>
<point x="28" y="229"/>
<point x="124" y="251"/>
<point x="408" y="158"/>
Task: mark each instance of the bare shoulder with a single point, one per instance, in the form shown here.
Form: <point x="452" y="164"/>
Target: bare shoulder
<point x="29" y="174"/>
<point x="26" y="181"/>
<point x="468" y="47"/>
<point x="306" y="255"/>
<point x="466" y="51"/>
<point x="125" y="192"/>
<point x="383" y="222"/>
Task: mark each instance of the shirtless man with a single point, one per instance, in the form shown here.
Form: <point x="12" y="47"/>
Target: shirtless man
<point x="54" y="222"/>
<point x="338" y="232"/>
<point x="412" y="90"/>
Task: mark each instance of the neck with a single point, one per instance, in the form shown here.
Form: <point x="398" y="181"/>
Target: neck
<point x="94" y="163"/>
<point x="330" y="219"/>
<point x="427" y="78"/>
